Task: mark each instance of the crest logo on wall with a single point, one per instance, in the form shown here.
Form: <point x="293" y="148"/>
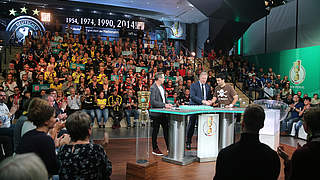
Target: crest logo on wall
<point x="20" y="27"/>
<point x="297" y="72"/>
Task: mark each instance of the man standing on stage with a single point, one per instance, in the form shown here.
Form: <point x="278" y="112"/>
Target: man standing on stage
<point x="224" y="94"/>
<point x="199" y="95"/>
<point x="159" y="100"/>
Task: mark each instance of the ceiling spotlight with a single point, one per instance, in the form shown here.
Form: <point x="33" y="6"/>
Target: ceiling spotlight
<point x="78" y="10"/>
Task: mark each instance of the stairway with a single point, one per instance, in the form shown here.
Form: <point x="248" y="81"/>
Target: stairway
<point x="243" y="99"/>
<point x="7" y="55"/>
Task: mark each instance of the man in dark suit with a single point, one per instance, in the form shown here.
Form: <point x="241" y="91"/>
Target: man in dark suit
<point x="249" y="153"/>
<point x="158" y="100"/>
<point x="199" y="95"/>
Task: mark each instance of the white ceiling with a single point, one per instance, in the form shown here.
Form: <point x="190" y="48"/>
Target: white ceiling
<point x="171" y="10"/>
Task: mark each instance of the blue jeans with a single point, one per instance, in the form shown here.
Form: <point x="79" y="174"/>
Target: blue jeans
<point x="297" y="127"/>
<point x="130" y="112"/>
<point x="104" y="112"/>
<point x="286" y="124"/>
<point x="90" y="112"/>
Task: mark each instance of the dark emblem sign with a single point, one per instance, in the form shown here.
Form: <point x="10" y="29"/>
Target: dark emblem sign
<point x="22" y="25"/>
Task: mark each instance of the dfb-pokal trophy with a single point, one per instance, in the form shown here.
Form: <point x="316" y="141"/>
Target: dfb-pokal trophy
<point x="142" y="168"/>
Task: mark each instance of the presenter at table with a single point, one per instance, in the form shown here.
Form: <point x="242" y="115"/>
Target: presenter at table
<point x="158" y="100"/>
<point x="224" y="94"/>
<point x="199" y="95"/>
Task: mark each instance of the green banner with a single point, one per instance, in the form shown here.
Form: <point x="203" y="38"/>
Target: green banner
<point x="300" y="65"/>
<point x="126" y="53"/>
<point x="138" y="69"/>
<point x="75" y="65"/>
<point x="39" y="87"/>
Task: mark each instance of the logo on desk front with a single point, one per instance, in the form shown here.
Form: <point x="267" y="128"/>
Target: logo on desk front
<point x="209" y="127"/>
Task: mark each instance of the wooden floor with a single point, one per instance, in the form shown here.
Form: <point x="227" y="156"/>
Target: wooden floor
<point x="120" y="151"/>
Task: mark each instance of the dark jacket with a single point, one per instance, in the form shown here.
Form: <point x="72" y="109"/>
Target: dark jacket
<point x="247" y="159"/>
<point x="156" y="100"/>
<point x="196" y="93"/>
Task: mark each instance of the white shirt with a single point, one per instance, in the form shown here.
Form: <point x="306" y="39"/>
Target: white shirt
<point x="205" y="93"/>
<point x="4" y="116"/>
<point x="162" y="94"/>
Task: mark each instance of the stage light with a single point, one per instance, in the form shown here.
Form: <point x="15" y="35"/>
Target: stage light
<point x="45" y="17"/>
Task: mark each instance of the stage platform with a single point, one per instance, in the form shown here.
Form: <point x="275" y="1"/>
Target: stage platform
<point x="121" y="149"/>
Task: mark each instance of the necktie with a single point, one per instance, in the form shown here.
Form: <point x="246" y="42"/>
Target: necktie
<point x="202" y="90"/>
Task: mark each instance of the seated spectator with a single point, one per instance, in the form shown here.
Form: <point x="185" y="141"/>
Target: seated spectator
<point x="9" y="84"/>
<point x="115" y="104"/>
<point x="5" y="114"/>
<point x="68" y="84"/>
<point x="268" y="91"/>
<point x="50" y="74"/>
<point x="289" y="99"/>
<point x="23" y="166"/>
<point x="101" y="109"/>
<point x="81" y="159"/>
<point x="87" y="102"/>
<point x="293" y="116"/>
<point x="307" y="106"/>
<point x="131" y="108"/>
<point x="315" y="101"/>
<point x="286" y="90"/>
<point x="249" y="152"/>
<point x="255" y="85"/>
<point x="74" y="102"/>
<point x="56" y="84"/>
<point x="184" y="98"/>
<point x="27" y="72"/>
<point x="37" y="140"/>
<point x="302" y="164"/>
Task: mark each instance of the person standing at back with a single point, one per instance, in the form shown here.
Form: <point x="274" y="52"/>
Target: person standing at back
<point x="248" y="159"/>
<point x="199" y="95"/>
<point x="158" y="100"/>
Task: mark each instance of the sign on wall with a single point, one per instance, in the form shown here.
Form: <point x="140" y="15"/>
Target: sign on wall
<point x="21" y="26"/>
<point x="300" y="65"/>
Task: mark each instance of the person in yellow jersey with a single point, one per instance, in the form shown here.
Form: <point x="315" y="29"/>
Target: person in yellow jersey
<point x="77" y="74"/>
<point x="101" y="109"/>
<point x="115" y="104"/>
<point x="102" y="76"/>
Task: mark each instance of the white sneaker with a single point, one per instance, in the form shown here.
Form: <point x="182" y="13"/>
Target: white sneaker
<point x="157" y="152"/>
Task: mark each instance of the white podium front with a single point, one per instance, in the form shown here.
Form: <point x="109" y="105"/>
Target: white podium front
<point x="275" y="112"/>
<point x="270" y="133"/>
<point x="208" y="137"/>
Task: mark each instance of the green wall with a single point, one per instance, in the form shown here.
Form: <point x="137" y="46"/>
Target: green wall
<point x="282" y="63"/>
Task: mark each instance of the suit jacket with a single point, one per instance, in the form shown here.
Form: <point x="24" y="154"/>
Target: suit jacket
<point x="156" y="100"/>
<point x="196" y="93"/>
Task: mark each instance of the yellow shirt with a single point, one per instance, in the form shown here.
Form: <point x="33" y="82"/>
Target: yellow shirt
<point x="101" y="78"/>
<point x="76" y="76"/>
<point x="56" y="86"/>
<point x="49" y="76"/>
<point x="102" y="103"/>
